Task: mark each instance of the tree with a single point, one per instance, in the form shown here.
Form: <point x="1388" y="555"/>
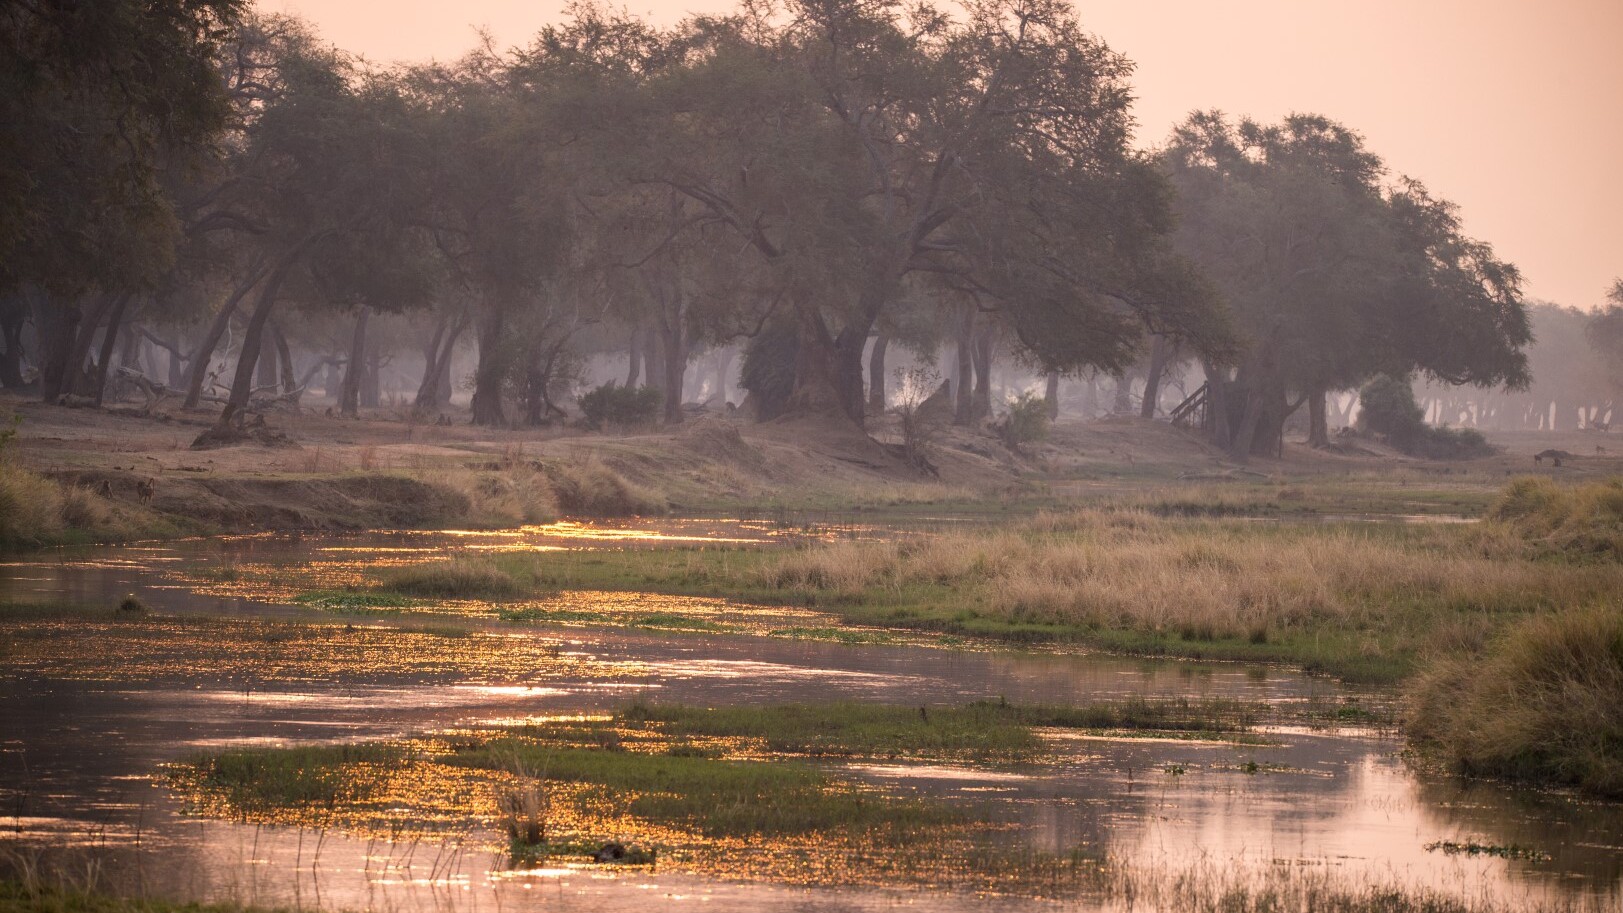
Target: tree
<point x="1333" y="275"/>
<point x="851" y="145"/>
<point x="1605" y="334"/>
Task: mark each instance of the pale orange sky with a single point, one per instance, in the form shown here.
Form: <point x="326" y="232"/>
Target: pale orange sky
<point x="1511" y="108"/>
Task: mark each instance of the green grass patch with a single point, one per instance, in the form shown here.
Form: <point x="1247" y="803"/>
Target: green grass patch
<point x="358" y="600"/>
<point x="258" y="780"/>
<point x="717" y="798"/>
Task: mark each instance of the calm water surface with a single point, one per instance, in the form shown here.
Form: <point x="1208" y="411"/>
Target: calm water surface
<point x="81" y="752"/>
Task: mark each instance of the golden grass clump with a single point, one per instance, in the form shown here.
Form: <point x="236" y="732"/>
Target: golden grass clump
<point x="1543" y="702"/>
<point x="1574" y="520"/>
<point x="30" y="507"/>
<point x="456" y="578"/>
<point x="1204" y="579"/>
<point x="591" y="489"/>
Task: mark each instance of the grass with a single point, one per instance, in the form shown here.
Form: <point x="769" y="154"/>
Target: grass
<point x="983" y="730"/>
<point x="1358" y="600"/>
<point x="1539" y="703"/>
<point x="36" y="511"/>
<point x="713" y="797"/>
<point x="456" y="578"/>
<point x="1573" y="521"/>
<point x="31" y="896"/>
<point x="258" y="780"/>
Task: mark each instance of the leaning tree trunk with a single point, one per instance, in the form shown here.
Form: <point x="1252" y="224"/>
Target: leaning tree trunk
<point x="284" y="358"/>
<point x="242" y="382"/>
<point x="1160" y="354"/>
<point x="109" y="340"/>
<point x="198" y="365"/>
<point x="349" y="395"/>
<point x="435" y="390"/>
<point x="876" y="373"/>
<point x="1051" y="396"/>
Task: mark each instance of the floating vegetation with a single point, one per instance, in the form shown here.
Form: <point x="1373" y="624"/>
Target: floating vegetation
<point x="1512" y="851"/>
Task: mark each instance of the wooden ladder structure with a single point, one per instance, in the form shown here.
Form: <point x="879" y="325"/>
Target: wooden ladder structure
<point x="1191" y="413"/>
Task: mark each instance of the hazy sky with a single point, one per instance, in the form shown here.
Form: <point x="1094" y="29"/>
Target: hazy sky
<point x="1511" y="108"/>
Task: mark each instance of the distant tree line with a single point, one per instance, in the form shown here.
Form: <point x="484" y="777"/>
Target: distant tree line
<point x="820" y="182"/>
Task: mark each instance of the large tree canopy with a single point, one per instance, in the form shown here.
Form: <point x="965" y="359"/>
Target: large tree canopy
<point x="852" y="144"/>
<point x="1332" y="274"/>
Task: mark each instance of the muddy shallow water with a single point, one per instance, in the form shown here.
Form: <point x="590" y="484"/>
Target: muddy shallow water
<point x="87" y="728"/>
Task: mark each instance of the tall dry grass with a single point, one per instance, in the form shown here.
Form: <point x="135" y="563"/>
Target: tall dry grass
<point x="1572" y="520"/>
<point x="1201" y="579"/>
<point x="36" y="511"/>
<point x="1541" y="702"/>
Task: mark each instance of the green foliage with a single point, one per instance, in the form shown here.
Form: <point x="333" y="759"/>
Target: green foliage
<point x="253" y="780"/>
<point x="1539" y="703"/>
<point x="768" y="369"/>
<point x="1025" y="421"/>
<point x="1388" y="408"/>
<point x="614" y="406"/>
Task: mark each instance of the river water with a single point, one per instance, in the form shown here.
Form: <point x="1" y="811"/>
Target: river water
<point x="89" y="722"/>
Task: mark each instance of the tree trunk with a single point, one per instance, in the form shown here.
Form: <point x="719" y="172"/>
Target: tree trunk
<point x="1160" y="354"/>
<point x="284" y="358"/>
<point x="108" y="340"/>
<point x="267" y="366"/>
<point x="372" y="378"/>
<point x="653" y="359"/>
<point x="13" y="315"/>
<point x="675" y="362"/>
<point x="724" y="365"/>
<point x="204" y="353"/>
<point x="1051" y="396"/>
<point x="1217" y="404"/>
<point x="634" y="353"/>
<point x="1241" y="447"/>
<point x="349" y="395"/>
<point x="491" y="372"/>
<point x="1318" y="433"/>
<point x="963" y="412"/>
<point x="981" y="359"/>
<point x="242" y="382"/>
<point x="435" y="390"/>
<point x="876" y="373"/>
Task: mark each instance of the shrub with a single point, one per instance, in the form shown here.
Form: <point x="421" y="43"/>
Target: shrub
<point x="614" y="406"/>
<point x="920" y="424"/>
<point x="768" y="368"/>
<point x="1388" y="408"/>
<point x="1025" y="422"/>
<point x="1538" y="704"/>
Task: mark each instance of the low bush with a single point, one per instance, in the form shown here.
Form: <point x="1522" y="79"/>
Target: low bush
<point x="1025" y="421"/>
<point x="1542" y="703"/>
<point x="614" y="406"/>
<point x="1388" y="408"/>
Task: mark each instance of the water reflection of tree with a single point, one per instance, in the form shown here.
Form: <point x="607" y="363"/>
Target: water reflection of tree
<point x="1576" y="837"/>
